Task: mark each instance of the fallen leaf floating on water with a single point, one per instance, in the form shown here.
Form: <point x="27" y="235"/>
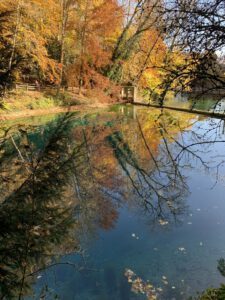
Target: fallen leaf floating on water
<point x="182" y="249"/>
<point x="129" y="273"/>
<point x="163" y="222"/>
<point x="135" y="236"/>
<point x="164" y="280"/>
<point x="139" y="286"/>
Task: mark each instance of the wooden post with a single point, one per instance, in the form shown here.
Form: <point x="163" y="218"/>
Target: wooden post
<point x="135" y="94"/>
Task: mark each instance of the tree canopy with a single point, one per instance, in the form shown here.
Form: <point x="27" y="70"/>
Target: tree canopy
<point x="158" y="46"/>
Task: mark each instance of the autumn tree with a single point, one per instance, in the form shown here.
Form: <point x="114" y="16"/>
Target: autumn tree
<point x="144" y="16"/>
<point x="98" y="25"/>
<point x="25" y="29"/>
<point x="194" y="33"/>
<point x="65" y="10"/>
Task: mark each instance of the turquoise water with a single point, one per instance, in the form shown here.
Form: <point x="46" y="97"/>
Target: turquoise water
<point x="204" y="102"/>
<point x="86" y="197"/>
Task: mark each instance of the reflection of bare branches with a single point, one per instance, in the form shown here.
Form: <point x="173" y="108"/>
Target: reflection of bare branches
<point x="146" y="144"/>
<point x="77" y="267"/>
<point x="70" y="190"/>
<point x="161" y="194"/>
<point x="195" y="146"/>
<point x="159" y="182"/>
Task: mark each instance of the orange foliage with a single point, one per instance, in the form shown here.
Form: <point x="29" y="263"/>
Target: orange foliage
<point x="98" y="26"/>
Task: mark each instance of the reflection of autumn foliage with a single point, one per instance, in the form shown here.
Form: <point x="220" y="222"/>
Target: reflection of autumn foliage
<point x="47" y="175"/>
<point x="144" y="149"/>
<point x="62" y="182"/>
<point x="108" y="214"/>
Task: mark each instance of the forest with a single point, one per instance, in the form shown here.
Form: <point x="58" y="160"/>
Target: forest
<point x="106" y="197"/>
<point x="100" y="45"/>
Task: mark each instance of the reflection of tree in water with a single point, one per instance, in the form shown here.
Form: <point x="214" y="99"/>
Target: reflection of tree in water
<point x="161" y="190"/>
<point x="59" y="184"/>
<point x="160" y="187"/>
<point x="36" y="215"/>
<point x="183" y="146"/>
<point x="159" y="183"/>
<point x="47" y="203"/>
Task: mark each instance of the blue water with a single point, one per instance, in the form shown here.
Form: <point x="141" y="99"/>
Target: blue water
<point x="148" y="195"/>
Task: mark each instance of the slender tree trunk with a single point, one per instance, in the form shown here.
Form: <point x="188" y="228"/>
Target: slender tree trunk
<point x="83" y="33"/>
<point x="64" y="13"/>
<point x="15" y="34"/>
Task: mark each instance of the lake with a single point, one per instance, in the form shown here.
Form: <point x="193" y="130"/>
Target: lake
<point x="119" y="203"/>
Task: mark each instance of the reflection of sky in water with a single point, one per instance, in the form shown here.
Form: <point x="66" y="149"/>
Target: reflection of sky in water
<point x="184" y="252"/>
<point x="155" y="253"/>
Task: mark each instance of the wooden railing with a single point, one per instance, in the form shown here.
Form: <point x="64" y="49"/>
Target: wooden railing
<point x="33" y="87"/>
<point x="27" y="87"/>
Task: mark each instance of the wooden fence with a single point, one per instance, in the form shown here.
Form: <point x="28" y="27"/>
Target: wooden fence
<point x="33" y="87"/>
<point x="27" y="87"/>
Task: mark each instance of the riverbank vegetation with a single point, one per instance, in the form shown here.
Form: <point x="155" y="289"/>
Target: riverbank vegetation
<point x="160" y="47"/>
<point x="23" y="100"/>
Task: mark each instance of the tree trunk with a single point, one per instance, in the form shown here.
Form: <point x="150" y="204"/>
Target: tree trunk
<point x="80" y="82"/>
<point x="15" y="34"/>
<point x="64" y="11"/>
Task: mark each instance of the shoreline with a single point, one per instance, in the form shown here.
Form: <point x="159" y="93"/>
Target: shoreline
<point x="86" y="107"/>
<point x="54" y="110"/>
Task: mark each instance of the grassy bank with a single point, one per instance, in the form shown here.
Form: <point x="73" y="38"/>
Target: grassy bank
<point x="23" y="104"/>
<point x="21" y="100"/>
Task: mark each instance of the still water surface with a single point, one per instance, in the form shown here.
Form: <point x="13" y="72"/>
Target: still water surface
<point x="87" y="199"/>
